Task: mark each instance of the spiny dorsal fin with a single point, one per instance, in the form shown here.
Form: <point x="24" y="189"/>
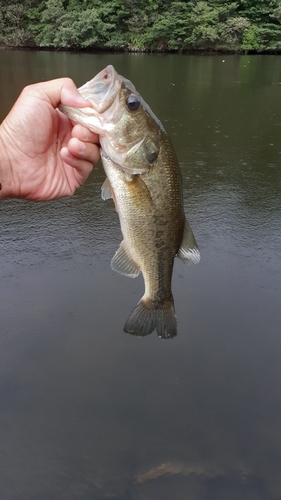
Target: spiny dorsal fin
<point x="188" y="251"/>
<point x="123" y="264"/>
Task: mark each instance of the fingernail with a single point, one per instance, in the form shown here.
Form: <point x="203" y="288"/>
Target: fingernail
<point x="82" y="146"/>
<point x="85" y="133"/>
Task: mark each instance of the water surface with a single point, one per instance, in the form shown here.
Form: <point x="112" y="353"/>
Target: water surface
<point x="88" y="412"/>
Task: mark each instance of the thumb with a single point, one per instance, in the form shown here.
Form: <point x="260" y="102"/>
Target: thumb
<point x="60" y="90"/>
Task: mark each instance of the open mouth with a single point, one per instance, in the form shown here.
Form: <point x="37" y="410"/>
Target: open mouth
<point x="102" y="89"/>
<point x="100" y="92"/>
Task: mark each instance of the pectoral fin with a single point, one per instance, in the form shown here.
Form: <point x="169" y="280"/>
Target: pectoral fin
<point x="123" y="264"/>
<point x="188" y="251"/>
<point x="106" y="190"/>
<point x="139" y="194"/>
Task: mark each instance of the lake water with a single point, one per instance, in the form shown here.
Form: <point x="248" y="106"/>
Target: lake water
<point x="90" y="413"/>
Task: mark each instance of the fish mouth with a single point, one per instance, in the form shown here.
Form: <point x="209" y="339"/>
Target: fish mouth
<point x="102" y="89"/>
<point x="102" y="95"/>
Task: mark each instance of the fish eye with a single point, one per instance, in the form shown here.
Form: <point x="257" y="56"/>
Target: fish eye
<point x="132" y="102"/>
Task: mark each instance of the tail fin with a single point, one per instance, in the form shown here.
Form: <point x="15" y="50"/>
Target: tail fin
<point x="146" y="317"/>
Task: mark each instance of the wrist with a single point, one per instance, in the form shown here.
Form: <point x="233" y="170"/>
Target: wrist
<point x="7" y="184"/>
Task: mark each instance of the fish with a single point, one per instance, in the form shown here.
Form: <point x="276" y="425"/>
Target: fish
<point x="144" y="180"/>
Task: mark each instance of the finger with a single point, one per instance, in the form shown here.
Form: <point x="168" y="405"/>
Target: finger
<point x="84" y="150"/>
<point x="60" y="90"/>
<point x="84" y="134"/>
<point x="83" y="168"/>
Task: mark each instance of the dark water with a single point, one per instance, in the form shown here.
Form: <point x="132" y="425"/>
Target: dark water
<point x="87" y="412"/>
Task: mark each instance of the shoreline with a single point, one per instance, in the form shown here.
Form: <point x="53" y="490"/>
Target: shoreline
<point x="198" y="52"/>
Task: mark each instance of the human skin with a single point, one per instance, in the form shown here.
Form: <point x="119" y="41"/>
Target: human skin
<point x="43" y="155"/>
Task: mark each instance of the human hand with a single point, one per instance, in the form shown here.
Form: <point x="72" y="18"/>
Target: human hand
<point x="42" y="155"/>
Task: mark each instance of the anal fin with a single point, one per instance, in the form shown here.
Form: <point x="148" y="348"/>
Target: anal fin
<point x="122" y="263"/>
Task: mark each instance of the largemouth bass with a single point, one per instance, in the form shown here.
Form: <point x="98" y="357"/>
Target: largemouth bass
<point x="143" y="178"/>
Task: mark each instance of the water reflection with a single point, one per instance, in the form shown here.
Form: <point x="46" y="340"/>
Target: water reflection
<point x="88" y="412"/>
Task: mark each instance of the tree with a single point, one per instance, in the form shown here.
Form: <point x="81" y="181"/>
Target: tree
<point x="154" y="25"/>
<point x="12" y="31"/>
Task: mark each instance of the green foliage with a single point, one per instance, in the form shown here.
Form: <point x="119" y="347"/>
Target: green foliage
<point x="205" y="22"/>
<point x="251" y="39"/>
<point x="12" y="30"/>
<point x="142" y="25"/>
